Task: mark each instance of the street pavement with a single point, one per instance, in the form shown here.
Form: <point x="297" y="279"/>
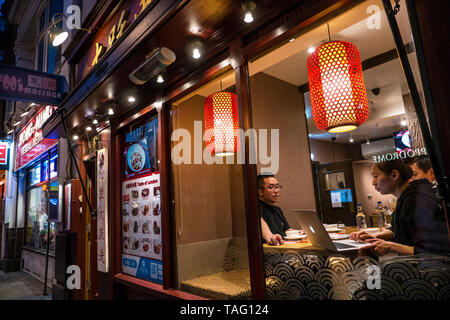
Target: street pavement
<point x="21" y="286"/>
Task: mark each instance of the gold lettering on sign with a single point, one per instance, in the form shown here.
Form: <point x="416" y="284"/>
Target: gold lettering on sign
<point x="117" y="30"/>
<point x="143" y="4"/>
<point x="99" y="51"/>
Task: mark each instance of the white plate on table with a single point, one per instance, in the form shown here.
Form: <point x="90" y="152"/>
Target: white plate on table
<point x="337" y="236"/>
<point x="333" y="229"/>
<point x="301" y="236"/>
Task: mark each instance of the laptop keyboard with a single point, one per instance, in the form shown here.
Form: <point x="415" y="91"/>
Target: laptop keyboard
<point x="343" y="246"/>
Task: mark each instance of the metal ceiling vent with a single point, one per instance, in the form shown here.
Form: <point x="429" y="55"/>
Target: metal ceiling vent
<point x="156" y="61"/>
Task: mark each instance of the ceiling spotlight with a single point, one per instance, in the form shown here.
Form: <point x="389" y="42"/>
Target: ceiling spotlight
<point x="368" y="141"/>
<point x="351" y="139"/>
<point x="196" y="48"/>
<point x="196" y="53"/>
<point x="131" y="99"/>
<point x="10" y="131"/>
<point x="291" y="40"/>
<point x="32" y="104"/>
<point x="403" y="122"/>
<point x="24" y="113"/>
<point x="75" y="137"/>
<point x="111" y="110"/>
<point x="248" y="17"/>
<point x="160" y="79"/>
<point x="249" y="7"/>
<point x="88" y="128"/>
<point x="95" y="121"/>
<point x="15" y="124"/>
<point x="311" y="49"/>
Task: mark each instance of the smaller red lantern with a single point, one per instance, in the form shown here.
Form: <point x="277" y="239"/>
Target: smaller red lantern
<point x="222" y="123"/>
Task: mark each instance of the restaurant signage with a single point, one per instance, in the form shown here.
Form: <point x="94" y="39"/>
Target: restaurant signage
<point x="112" y="31"/>
<point x="22" y="84"/>
<point x="102" y="211"/>
<point x="30" y="142"/>
<point x="4" y="155"/>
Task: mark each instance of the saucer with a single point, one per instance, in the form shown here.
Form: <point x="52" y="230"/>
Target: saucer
<point x="333" y="230"/>
<point x="300" y="236"/>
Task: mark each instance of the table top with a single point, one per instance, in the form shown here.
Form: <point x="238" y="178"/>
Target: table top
<point x="303" y="246"/>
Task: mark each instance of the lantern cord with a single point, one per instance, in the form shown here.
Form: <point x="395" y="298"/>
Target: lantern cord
<point x="329" y="35"/>
<point x="221" y="85"/>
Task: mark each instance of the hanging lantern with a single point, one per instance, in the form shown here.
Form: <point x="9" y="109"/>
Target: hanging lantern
<point x="221" y="123"/>
<point x="336" y="84"/>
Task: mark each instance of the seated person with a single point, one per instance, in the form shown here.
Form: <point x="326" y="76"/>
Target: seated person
<point x="273" y="222"/>
<point x="418" y="226"/>
<point x="421" y="169"/>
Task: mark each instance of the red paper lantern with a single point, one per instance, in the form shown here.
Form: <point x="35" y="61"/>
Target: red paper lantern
<point x="336" y="84"/>
<point x="221" y="123"/>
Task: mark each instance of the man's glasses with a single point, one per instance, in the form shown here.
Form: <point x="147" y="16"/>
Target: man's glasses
<point x="274" y="186"/>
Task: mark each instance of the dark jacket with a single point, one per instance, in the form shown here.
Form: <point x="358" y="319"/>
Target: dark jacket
<point x="418" y="221"/>
<point x="274" y="218"/>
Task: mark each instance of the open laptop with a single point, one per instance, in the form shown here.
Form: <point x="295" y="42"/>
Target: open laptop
<point x="319" y="237"/>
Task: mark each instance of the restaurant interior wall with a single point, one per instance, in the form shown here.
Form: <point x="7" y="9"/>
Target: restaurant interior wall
<point x="279" y="105"/>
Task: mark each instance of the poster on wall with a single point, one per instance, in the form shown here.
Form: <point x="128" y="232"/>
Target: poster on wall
<point x="141" y="205"/>
<point x="102" y="211"/>
<point x="140" y="150"/>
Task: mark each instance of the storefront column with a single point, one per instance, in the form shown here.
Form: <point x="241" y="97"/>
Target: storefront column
<point x="249" y="173"/>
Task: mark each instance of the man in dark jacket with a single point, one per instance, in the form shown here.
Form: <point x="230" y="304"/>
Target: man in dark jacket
<point x="273" y="223"/>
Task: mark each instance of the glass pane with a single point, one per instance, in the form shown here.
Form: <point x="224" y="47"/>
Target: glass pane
<point x="334" y="183"/>
<point x="37" y="219"/>
<point x="56" y="6"/>
<point x="209" y="202"/>
<point x="42" y="20"/>
<point x="53" y="200"/>
<point x="54" y="166"/>
<point x="34" y="175"/>
<point x="40" y="54"/>
<point x="141" y="204"/>
<point x="54" y="55"/>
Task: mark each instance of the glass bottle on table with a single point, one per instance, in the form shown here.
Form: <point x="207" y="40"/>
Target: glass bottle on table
<point x="360" y="218"/>
<point x="380" y="216"/>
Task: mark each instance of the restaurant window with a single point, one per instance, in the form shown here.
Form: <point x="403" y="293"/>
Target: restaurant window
<point x="141" y="203"/>
<point x="42" y="202"/>
<point x="329" y="174"/>
<point x="211" y="240"/>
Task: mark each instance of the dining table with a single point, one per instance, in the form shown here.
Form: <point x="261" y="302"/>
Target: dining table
<point x="304" y="246"/>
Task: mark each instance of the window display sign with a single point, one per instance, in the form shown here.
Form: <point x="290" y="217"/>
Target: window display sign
<point x="102" y="211"/>
<point x="30" y="142"/>
<point x="141" y="216"/>
<point x="4" y="155"/>
<point x="140" y="151"/>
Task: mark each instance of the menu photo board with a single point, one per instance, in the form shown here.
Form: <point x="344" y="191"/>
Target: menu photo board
<point x="141" y="206"/>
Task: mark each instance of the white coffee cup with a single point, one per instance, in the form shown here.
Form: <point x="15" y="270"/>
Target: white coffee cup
<point x="292" y="233"/>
